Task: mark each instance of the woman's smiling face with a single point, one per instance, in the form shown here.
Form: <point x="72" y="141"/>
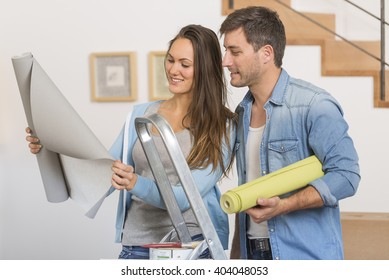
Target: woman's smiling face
<point x="179" y="65"/>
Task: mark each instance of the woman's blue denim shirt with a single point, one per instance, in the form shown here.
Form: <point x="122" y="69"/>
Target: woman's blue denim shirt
<point x="303" y="120"/>
<point x="147" y="190"/>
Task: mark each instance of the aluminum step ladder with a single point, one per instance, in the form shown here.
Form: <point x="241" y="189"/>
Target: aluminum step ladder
<point x="211" y="239"/>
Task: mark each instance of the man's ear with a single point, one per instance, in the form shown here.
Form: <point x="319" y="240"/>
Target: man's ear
<point x="268" y="53"/>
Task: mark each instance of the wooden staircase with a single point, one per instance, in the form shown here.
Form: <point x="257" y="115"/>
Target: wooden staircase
<point x="338" y="57"/>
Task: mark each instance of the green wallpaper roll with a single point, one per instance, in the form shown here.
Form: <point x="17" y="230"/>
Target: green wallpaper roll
<point x="284" y="180"/>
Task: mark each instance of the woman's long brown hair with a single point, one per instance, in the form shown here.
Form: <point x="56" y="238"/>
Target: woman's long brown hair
<point x="208" y="116"/>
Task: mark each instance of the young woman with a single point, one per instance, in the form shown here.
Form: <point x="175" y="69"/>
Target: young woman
<point x="205" y="130"/>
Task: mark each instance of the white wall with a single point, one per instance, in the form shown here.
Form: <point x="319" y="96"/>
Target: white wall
<point x="62" y="34"/>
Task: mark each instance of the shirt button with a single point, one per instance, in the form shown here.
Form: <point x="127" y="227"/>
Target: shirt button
<point x="272" y="230"/>
<point x="277" y="258"/>
<point x="264" y="172"/>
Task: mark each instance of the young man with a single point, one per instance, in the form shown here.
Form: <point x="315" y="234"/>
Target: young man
<point x="283" y="120"/>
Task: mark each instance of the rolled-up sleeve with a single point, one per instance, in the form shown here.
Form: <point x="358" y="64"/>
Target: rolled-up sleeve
<point x="331" y="143"/>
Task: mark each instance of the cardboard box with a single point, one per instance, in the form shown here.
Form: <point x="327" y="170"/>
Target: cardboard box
<point x="170" y="253"/>
<point x="365" y="235"/>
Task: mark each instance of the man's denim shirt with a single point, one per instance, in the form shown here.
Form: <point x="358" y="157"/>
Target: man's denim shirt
<point x="303" y="120"/>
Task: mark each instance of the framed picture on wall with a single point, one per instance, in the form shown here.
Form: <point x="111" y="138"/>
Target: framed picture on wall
<point x="113" y="76"/>
<point x="158" y="84"/>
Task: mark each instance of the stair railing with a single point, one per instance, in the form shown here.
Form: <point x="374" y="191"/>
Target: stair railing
<point x="382" y="93"/>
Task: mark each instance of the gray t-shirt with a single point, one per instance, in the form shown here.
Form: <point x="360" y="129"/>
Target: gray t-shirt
<point x="145" y="223"/>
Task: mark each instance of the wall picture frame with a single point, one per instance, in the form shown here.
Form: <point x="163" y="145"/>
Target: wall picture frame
<point x="113" y="76"/>
<point x="158" y="83"/>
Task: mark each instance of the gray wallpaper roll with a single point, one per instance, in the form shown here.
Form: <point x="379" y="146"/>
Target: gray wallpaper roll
<point x="73" y="162"/>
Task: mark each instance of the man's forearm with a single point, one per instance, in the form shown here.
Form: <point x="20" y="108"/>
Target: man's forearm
<point x="305" y="199"/>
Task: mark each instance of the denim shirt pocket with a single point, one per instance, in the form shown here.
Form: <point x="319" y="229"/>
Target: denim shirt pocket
<point x="282" y="153"/>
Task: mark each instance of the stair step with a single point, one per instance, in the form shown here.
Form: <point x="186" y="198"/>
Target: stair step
<point x="377" y="90"/>
<point x="301" y="31"/>
<point x="238" y="4"/>
<point x="341" y="58"/>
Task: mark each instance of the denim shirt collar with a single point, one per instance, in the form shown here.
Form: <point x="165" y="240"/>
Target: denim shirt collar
<point x="278" y="93"/>
<point x="279" y="90"/>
